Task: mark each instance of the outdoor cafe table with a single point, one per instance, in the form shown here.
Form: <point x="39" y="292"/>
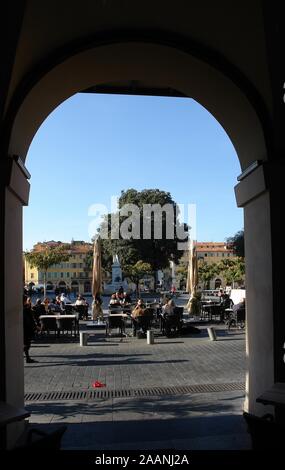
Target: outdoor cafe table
<point x="209" y="308"/>
<point x="62" y="317"/>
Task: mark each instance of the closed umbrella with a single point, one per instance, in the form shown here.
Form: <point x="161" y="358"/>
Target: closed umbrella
<point x="192" y="275"/>
<point x="96" y="280"/>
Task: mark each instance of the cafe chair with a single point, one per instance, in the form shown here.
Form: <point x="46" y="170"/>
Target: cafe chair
<point x="115" y="322"/>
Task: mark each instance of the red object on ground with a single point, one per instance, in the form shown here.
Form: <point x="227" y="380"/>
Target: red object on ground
<point x="98" y="384"/>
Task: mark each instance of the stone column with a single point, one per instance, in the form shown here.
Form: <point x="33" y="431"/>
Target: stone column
<point x="15" y="195"/>
<point x="253" y="194"/>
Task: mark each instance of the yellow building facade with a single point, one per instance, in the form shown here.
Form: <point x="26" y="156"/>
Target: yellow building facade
<point x="214" y="252"/>
<point x="74" y="275"/>
<point x="210" y="252"/>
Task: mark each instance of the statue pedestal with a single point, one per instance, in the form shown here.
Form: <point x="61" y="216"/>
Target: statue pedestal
<point x="117" y="278"/>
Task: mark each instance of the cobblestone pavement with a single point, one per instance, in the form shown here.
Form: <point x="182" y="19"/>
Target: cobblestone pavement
<point x="195" y="421"/>
<point x="132" y="363"/>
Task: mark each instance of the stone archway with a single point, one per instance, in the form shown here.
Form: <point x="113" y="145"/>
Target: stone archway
<point x="237" y="109"/>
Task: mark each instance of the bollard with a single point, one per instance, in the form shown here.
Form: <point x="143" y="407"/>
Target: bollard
<point x="150" y="337"/>
<point x="212" y="333"/>
<point x="83" y="338"/>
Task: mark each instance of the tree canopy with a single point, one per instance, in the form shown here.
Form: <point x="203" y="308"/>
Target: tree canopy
<point x="232" y="270"/>
<point x="206" y="272"/>
<point x="137" y="271"/>
<point x="46" y="258"/>
<point x="147" y="234"/>
<point x="237" y="242"/>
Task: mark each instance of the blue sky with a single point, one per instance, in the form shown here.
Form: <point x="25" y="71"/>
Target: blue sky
<point x="93" y="146"/>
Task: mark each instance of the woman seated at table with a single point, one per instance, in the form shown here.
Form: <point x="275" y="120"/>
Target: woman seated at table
<point x="139" y="309"/>
<point x="138" y="312"/>
<point x="168" y="309"/>
<point x="80" y="301"/>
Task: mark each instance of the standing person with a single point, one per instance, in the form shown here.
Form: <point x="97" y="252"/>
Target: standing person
<point x="29" y="328"/>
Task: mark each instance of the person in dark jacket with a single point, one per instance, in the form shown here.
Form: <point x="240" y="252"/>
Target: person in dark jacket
<point x="29" y="328"/>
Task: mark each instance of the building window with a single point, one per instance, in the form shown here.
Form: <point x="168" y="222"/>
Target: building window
<point x="206" y="254"/>
<point x="67" y="274"/>
<point x="32" y="275"/>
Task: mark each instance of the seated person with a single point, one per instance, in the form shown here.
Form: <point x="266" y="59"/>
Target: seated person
<point x="54" y="307"/>
<point x="114" y="301"/>
<point x="171" y="320"/>
<point x="221" y="293"/>
<point x="127" y="298"/>
<point x="120" y="296"/>
<point x="64" y="299"/>
<point x="139" y="309"/>
<point x="80" y="300"/>
<point x="137" y="313"/>
<point x="226" y="301"/>
<point x="239" y="306"/>
<point x="46" y="304"/>
<point x="169" y="308"/>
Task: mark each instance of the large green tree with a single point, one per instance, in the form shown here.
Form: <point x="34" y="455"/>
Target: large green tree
<point x="206" y="272"/>
<point x="46" y="258"/>
<point x="233" y="270"/>
<point x="143" y="243"/>
<point x="136" y="272"/>
<point x="237" y="242"/>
